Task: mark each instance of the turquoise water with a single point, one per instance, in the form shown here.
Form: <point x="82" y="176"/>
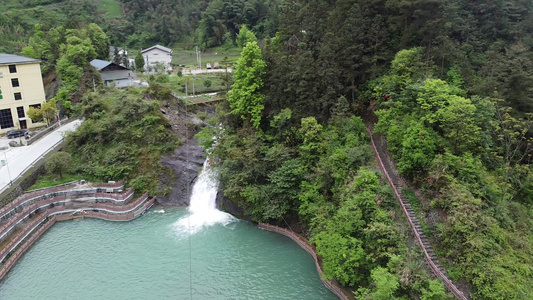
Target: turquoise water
<point x="148" y="258"/>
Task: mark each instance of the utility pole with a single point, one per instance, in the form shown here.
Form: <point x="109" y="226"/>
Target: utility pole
<point x="193" y="92"/>
<point x="186" y="88"/>
<point x="7" y="165"/>
<point x="148" y="68"/>
<point x="196" y="54"/>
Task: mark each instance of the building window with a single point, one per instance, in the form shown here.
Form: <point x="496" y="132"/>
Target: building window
<point x="20" y="112"/>
<point x="15" y="82"/>
<point x="18" y="96"/>
<point x="6" y="120"/>
<point x="12" y="69"/>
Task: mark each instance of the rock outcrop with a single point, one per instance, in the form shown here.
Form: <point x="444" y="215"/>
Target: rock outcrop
<point x="185" y="164"/>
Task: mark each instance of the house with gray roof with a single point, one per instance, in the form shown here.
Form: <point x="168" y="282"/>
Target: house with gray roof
<point x="157" y="55"/>
<point x="113" y="74"/>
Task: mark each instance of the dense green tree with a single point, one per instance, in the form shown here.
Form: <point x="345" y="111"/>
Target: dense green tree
<point x="245" y="96"/>
<point x="46" y="112"/>
<point x="99" y="40"/>
<point x="225" y="17"/>
<point x="385" y="285"/>
<point x="343" y="256"/>
<point x="35" y="114"/>
<point x="59" y="163"/>
<point x="72" y="65"/>
<point x="139" y="62"/>
<point x="245" y="36"/>
<point x="116" y="56"/>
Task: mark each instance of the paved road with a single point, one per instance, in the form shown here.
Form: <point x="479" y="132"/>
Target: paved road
<point x="19" y="158"/>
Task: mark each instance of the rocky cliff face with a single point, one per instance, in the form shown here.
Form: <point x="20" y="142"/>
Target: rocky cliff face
<point x="51" y="85"/>
<point x="185" y="164"/>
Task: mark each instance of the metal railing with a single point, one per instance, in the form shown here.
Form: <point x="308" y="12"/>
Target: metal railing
<point x="61" y="216"/>
<point x="432" y="265"/>
<point x="28" y="209"/>
<point x="31" y="165"/>
<point x="48" y="129"/>
<point x="50" y="192"/>
<point x="37" y="227"/>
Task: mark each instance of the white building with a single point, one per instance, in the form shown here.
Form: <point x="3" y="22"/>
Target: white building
<point x="155" y="55"/>
<point x="113" y="74"/>
<point x="121" y="51"/>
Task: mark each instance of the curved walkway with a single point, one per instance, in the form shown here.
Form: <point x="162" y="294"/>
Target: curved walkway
<point x="387" y="167"/>
<point x="302" y="242"/>
<point x="29" y="216"/>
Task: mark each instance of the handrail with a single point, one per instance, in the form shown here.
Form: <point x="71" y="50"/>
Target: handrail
<point x="5" y="228"/>
<point x="31" y="165"/>
<point x="58" y="217"/>
<point x="447" y="282"/>
<point x="123" y="209"/>
<point x="46" y="192"/>
<point x="303" y="244"/>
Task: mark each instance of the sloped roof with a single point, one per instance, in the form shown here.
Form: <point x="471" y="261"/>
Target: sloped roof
<point x="15" y="59"/>
<point x="102" y="64"/>
<point x="158" y="46"/>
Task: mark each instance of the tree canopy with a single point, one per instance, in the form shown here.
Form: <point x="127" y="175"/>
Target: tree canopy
<point x="245" y="96"/>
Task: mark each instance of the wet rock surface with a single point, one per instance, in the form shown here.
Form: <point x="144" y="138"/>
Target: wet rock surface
<point x="184" y="166"/>
<point x="224" y="204"/>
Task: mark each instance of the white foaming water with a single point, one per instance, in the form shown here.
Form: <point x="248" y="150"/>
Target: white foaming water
<point x="202" y="207"/>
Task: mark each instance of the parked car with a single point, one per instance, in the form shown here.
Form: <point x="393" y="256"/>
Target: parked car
<point x="208" y="66"/>
<point x="16" y="133"/>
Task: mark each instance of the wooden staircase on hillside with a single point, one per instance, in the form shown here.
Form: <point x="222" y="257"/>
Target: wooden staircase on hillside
<point x="390" y="172"/>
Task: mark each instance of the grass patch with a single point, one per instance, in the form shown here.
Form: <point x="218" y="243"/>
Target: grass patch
<point x="51" y="180"/>
<point x="212" y="55"/>
<point x="112" y="9"/>
<point x="178" y="86"/>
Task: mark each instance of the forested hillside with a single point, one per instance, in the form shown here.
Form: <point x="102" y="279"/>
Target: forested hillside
<point x="18" y="19"/>
<point x="204" y="22"/>
<point x="449" y="84"/>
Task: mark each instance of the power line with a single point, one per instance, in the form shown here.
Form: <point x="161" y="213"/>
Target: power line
<point x="188" y="195"/>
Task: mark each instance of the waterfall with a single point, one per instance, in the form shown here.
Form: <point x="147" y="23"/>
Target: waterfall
<point x="202" y="206"/>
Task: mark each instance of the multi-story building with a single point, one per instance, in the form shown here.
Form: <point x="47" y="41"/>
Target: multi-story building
<point x="21" y="87"/>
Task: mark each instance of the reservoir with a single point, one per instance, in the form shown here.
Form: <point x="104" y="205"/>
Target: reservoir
<point x="170" y="253"/>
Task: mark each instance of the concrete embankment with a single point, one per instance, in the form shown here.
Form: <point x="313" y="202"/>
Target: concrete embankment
<point x="25" y="219"/>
